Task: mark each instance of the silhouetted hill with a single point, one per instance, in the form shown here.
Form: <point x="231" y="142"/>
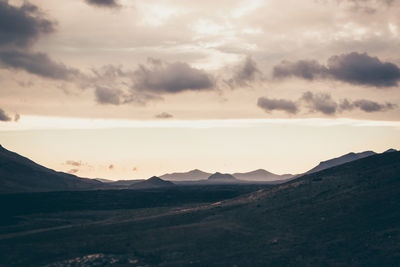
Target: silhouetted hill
<point x="341" y="160"/>
<point x="153" y="182"/>
<point x="20" y="174"/>
<point x="261" y="175"/>
<point x="193" y="175"/>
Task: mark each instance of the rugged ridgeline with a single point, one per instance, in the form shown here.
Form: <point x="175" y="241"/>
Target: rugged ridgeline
<point x="346" y="215"/>
<point x="20" y="174"/>
<point x="341" y="160"/>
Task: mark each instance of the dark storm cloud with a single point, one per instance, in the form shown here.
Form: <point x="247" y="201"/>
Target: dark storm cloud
<point x="4" y="116"/>
<point x="108" y="95"/>
<point x="20" y="26"/>
<point x="320" y="102"/>
<point x="269" y="105"/>
<point x="353" y="68"/>
<point x="37" y="63"/>
<point x="244" y="74"/>
<point x="103" y="3"/>
<point x="164" y="115"/>
<point x="367" y="105"/>
<point x="159" y="78"/>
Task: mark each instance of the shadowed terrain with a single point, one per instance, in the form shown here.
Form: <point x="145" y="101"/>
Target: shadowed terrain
<point x="20" y="174"/>
<point x="345" y="215"/>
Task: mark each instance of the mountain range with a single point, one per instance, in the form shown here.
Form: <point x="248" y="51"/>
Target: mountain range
<point x="20" y="174"/>
<point x="198" y="175"/>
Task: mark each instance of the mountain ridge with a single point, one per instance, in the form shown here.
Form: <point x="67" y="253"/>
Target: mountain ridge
<point x="21" y="174"/>
<point x="341" y="160"/>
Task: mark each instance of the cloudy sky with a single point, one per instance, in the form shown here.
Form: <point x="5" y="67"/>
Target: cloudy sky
<point x="128" y="89"/>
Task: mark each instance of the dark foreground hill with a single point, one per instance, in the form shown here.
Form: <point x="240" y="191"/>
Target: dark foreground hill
<point x="347" y="215"/>
<point x="20" y="174"/>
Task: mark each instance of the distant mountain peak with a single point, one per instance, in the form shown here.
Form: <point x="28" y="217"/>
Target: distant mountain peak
<point x="260" y="175"/>
<point x="153" y="182"/>
<point x="221" y="176"/>
<point x="196" y="171"/>
<point x="390" y="150"/>
<point x="192" y="175"/>
<point x="154" y="178"/>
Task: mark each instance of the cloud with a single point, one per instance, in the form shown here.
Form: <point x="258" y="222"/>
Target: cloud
<point x="320" y="102"/>
<point x="244" y="74"/>
<point x="108" y="95"/>
<point x="103" y="3"/>
<point x="169" y="78"/>
<point x="164" y="115"/>
<point x="21" y="26"/>
<point x="366" y="105"/>
<point x="4" y="116"/>
<point x="269" y="105"/>
<point x="149" y="82"/>
<point x="37" y="63"/>
<point x="17" y="117"/>
<point x="362" y="69"/>
<point x="306" y="69"/>
<point x="366" y="6"/>
<point x="111" y="167"/>
<point x="353" y="68"/>
<point x="74" y="163"/>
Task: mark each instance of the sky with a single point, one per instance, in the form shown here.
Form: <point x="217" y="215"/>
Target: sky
<point x="124" y="89"/>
